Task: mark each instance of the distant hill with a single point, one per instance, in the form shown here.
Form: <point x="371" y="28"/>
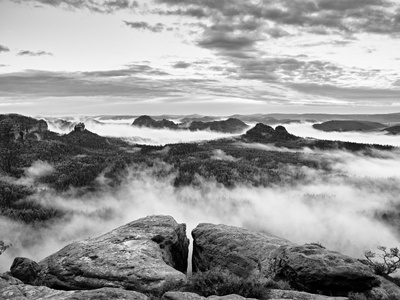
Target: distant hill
<point x="231" y="125"/>
<point x="393" y="130"/>
<point x="147" y="121"/>
<point x="348" y="125"/>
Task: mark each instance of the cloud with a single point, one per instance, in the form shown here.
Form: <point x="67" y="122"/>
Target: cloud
<point x="364" y="94"/>
<point x="99" y="6"/>
<point x="4" y="49"/>
<point x="343" y="15"/>
<point x="181" y="65"/>
<point x="145" y="26"/>
<point x="34" y="53"/>
<point x="225" y="41"/>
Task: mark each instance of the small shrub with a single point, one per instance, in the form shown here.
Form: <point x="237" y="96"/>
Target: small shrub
<point x="390" y="260"/>
<point x="221" y="282"/>
<point x="357" y="296"/>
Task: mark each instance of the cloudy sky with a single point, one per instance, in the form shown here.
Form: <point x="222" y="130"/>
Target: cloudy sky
<point x="215" y="57"/>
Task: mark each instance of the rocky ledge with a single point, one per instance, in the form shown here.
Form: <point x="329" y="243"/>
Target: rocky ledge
<point x="147" y="255"/>
<point x="310" y="268"/>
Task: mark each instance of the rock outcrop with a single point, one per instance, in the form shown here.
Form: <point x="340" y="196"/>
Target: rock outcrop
<point x="147" y="121"/>
<point x="237" y="250"/>
<point x="314" y="269"/>
<point x="262" y="133"/>
<point x="309" y="268"/>
<point x="14" y="289"/>
<point x="14" y="127"/>
<point x="146" y="255"/>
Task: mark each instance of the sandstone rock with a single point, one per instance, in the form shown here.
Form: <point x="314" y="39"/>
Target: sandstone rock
<point x="387" y="290"/>
<point x="238" y="250"/>
<point x="315" y="269"/>
<point x="193" y="296"/>
<point x="149" y="254"/>
<point x="295" y="295"/>
<point x="13" y="289"/>
<point x="25" y="269"/>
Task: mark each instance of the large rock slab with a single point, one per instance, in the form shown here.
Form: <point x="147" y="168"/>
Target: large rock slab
<point x="193" y="296"/>
<point x="315" y="269"/>
<point x="147" y="255"/>
<point x="237" y="250"/>
<point x="295" y="295"/>
<point x="14" y="289"/>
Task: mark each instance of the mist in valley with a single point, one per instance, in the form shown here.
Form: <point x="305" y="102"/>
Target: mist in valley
<point x="337" y="208"/>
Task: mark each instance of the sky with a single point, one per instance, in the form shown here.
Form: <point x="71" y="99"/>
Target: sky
<point x="211" y="57"/>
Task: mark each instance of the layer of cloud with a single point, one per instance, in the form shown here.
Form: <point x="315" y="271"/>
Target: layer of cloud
<point x="34" y="53"/>
<point x="145" y="26"/>
<point x="99" y="6"/>
<point x="4" y="49"/>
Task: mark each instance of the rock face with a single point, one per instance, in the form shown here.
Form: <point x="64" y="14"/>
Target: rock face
<point x="25" y="269"/>
<point x="315" y="269"/>
<point x="237" y="250"/>
<point x="149" y="255"/>
<point x="13" y="289"/>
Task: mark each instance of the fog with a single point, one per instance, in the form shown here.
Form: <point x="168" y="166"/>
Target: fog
<point x="375" y="137"/>
<point x="140" y="135"/>
<point x="336" y="209"/>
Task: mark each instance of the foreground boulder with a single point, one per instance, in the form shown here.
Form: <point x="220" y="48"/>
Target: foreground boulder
<point x="310" y="268"/>
<point x="315" y="269"/>
<point x="13" y="289"/>
<point x="148" y="255"/>
<point x="234" y="249"/>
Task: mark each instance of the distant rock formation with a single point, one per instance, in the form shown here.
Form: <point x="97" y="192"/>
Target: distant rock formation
<point x="80" y="127"/>
<point x="262" y="133"/>
<point x="227" y="126"/>
<point x="19" y="127"/>
<point x="147" y="121"/>
<point x="348" y="125"/>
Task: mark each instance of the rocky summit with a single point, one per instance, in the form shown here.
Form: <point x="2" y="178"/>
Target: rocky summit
<point x="148" y="255"/>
